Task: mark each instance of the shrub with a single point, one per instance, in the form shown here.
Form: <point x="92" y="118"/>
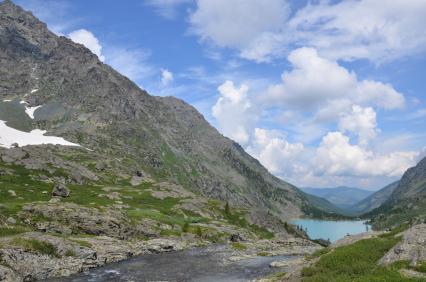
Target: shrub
<point x="239" y="246"/>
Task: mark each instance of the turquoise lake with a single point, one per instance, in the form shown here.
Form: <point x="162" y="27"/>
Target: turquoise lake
<point x="333" y="230"/>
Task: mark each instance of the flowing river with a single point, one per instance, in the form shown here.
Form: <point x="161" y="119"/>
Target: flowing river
<point x="200" y="264"/>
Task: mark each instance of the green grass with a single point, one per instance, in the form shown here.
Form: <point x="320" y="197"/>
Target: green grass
<point x="238" y="246"/>
<point x="421" y="267"/>
<point x="237" y="218"/>
<point x="9" y="231"/>
<point x="25" y="185"/>
<point x="276" y="277"/>
<point x="82" y="243"/>
<point x="318" y="253"/>
<point x="36" y="245"/>
<point x="356" y="262"/>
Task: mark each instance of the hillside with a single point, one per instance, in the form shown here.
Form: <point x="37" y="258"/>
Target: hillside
<point x="375" y="200"/>
<point x="88" y="103"/>
<point x="407" y="203"/>
<point x="343" y="197"/>
<point x="93" y="169"/>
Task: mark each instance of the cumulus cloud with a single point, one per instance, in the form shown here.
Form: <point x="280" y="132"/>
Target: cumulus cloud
<point x="316" y="83"/>
<point x="87" y="38"/>
<point x="314" y="98"/>
<point x="348" y="30"/>
<point x="234" y="112"/>
<point x="362" y="122"/>
<point x="362" y="29"/>
<point x="274" y="152"/>
<point x="336" y="156"/>
<point x="237" y="23"/>
<point x="166" y="77"/>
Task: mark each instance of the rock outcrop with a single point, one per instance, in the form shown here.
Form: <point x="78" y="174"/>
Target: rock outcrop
<point x="412" y="247"/>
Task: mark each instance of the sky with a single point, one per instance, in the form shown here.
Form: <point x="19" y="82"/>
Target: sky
<point x="323" y="93"/>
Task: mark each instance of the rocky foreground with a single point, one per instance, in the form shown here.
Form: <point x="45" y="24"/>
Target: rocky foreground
<point x="69" y="255"/>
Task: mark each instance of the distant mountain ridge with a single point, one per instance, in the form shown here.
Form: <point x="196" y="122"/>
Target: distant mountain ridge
<point x="374" y="200"/>
<point x="342" y="197"/>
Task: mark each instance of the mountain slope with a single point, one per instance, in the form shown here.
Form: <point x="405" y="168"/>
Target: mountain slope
<point x="342" y="197"/>
<point x="407" y="203"/>
<point x="87" y="102"/>
<point x="375" y="200"/>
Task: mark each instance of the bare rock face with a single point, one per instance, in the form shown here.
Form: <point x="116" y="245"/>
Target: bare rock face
<point x="68" y="217"/>
<point x="411" y="248"/>
<point x="60" y="190"/>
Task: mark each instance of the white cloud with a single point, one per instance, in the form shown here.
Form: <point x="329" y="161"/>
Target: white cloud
<point x="336" y="156"/>
<point x="87" y="38"/>
<point x="166" y="8"/>
<point x="319" y="84"/>
<point x="274" y="152"/>
<point x="234" y="112"/>
<point x="362" y="122"/>
<point x="376" y="30"/>
<point x="348" y="30"/>
<point x="237" y="23"/>
<point x="166" y="77"/>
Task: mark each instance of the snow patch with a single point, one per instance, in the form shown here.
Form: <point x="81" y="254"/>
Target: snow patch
<point x="7" y="100"/>
<point x="30" y="111"/>
<point x="23" y="102"/>
<point x="9" y="136"/>
<point x="34" y="90"/>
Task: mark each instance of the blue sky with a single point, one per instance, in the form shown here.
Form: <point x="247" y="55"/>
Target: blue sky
<point x="323" y="93"/>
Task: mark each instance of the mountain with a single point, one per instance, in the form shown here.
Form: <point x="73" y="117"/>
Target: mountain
<point x="407" y="203"/>
<point x="56" y="91"/>
<point x="374" y="200"/>
<point x="94" y="169"/>
<point x="87" y="102"/>
<point x="342" y="197"/>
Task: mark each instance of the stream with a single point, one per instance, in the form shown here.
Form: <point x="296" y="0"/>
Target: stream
<point x="200" y="264"/>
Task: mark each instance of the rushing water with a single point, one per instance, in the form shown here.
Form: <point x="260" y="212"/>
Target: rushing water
<point x="333" y="230"/>
<point x="202" y="264"/>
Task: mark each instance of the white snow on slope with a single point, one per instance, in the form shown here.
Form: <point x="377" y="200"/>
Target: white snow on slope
<point x="30" y="111"/>
<point x="9" y="136"/>
<point x="34" y="90"/>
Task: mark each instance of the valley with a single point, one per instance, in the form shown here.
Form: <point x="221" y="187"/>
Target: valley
<point x="102" y="181"/>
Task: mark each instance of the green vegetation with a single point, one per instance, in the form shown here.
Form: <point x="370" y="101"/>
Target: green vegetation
<point x="36" y="245"/>
<point x="199" y="232"/>
<point x="239" y="246"/>
<point x="236" y="217"/>
<point x="356" y="262"/>
<point x="21" y="186"/>
<point x="421" y="267"/>
<point x="70" y="253"/>
<point x="318" y="253"/>
<point x="276" y="277"/>
<point x="9" y="231"/>
<point x="185" y="227"/>
<point x="82" y="243"/>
